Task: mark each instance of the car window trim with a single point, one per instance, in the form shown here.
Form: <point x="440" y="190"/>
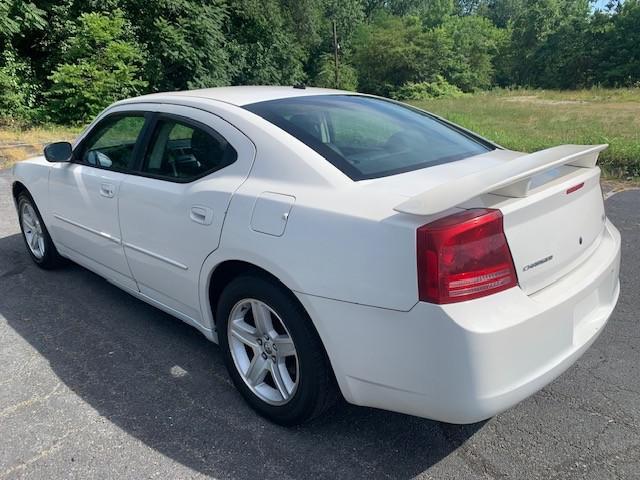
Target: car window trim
<point x="144" y="142"/>
<point x="79" y="150"/>
<point x="156" y="117"/>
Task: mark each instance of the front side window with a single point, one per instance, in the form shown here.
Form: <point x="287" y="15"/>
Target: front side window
<point x="368" y="137"/>
<point x="112" y="143"/>
<point x="182" y="152"/>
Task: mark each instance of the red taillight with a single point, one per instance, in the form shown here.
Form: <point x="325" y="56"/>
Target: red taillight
<point x="464" y="256"/>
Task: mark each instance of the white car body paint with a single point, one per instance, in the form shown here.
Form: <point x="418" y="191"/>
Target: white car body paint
<point x="349" y="256"/>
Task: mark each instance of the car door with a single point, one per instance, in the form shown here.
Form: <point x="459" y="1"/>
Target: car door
<point x="84" y="196"/>
<point x="172" y="212"/>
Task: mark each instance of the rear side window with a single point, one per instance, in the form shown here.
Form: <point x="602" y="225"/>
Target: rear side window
<point x="181" y="151"/>
<point x="367" y="137"/>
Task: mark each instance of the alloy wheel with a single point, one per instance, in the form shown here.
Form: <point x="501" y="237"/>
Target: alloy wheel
<point x="32" y="229"/>
<point x="263" y="351"/>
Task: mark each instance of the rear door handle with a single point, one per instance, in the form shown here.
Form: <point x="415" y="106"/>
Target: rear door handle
<point x="107" y="190"/>
<point x="200" y="214"/>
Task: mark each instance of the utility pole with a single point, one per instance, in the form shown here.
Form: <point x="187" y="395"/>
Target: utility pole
<point x="335" y="54"/>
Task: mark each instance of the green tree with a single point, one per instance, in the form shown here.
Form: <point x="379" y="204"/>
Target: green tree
<point x="392" y="51"/>
<point x="432" y="12"/>
<point x="103" y="65"/>
<point x="501" y="12"/>
<point x="347" y="78"/>
<point x="614" y="46"/>
<point x="263" y="46"/>
<point x="17" y="87"/>
<point x="17" y="17"/>
<point x="95" y="51"/>
<point x="536" y="26"/>
<point x="467" y="7"/>
<point x="304" y="18"/>
<point x="475" y="43"/>
<point x="564" y="59"/>
<point x="348" y="15"/>
<point x="184" y="40"/>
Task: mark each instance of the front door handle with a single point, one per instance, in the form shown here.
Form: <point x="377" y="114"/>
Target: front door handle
<point x="107" y="190"/>
<point x="200" y="214"/>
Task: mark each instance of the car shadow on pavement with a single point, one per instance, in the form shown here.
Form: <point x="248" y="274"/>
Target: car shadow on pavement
<point x="163" y="383"/>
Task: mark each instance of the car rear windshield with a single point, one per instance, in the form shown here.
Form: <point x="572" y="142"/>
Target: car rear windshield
<point x="369" y="137"/>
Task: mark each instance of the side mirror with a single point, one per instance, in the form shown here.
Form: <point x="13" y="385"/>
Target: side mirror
<point x="58" y="152"/>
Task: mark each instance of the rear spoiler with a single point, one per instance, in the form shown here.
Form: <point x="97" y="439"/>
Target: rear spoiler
<point x="510" y="179"/>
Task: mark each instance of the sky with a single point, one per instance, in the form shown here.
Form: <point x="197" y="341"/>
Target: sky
<point x="600" y="4"/>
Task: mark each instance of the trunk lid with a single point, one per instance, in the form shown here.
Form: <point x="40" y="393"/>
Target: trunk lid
<point x="551" y="203"/>
<point x="555" y="228"/>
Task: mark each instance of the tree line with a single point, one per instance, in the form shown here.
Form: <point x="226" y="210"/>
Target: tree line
<point x="64" y="60"/>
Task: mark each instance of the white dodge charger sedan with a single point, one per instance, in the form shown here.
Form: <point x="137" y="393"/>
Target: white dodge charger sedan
<point x="337" y="243"/>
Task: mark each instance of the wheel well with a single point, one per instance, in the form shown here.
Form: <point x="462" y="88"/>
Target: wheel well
<point x="227" y="271"/>
<point x="17" y="189"/>
<point x="230" y="269"/>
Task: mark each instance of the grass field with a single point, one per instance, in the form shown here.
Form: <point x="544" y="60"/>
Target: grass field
<point x="530" y="120"/>
<point x="524" y="120"/>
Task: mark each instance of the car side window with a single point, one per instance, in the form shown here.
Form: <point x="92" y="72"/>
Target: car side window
<point x="181" y="151"/>
<point x="112" y="143"/>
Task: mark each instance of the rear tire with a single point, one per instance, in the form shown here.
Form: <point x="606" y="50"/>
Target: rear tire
<point x="272" y="351"/>
<point x="36" y="236"/>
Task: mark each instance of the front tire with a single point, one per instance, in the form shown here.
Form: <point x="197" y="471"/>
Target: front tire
<point x="36" y="236"/>
<point x="272" y="352"/>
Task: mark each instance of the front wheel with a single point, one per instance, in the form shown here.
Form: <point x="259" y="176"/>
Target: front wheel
<point x="36" y="236"/>
<point x="272" y="352"/>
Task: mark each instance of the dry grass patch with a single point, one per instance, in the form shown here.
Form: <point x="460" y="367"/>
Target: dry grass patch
<point x="9" y="156"/>
<point x="10" y="136"/>
<point x="17" y="144"/>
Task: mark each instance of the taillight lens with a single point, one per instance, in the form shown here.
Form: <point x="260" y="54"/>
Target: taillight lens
<point x="464" y="256"/>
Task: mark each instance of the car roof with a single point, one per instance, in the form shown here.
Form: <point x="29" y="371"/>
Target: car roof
<point x="244" y="95"/>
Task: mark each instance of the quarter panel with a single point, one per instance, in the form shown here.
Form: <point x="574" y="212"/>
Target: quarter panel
<point x="342" y="244"/>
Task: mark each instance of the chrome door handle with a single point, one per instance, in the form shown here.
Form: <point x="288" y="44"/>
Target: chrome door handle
<point x="200" y="214"/>
<point x="107" y="190"/>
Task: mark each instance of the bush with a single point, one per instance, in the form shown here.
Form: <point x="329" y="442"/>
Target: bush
<point x="17" y="89"/>
<point x="103" y="65"/>
<point x="439" y="88"/>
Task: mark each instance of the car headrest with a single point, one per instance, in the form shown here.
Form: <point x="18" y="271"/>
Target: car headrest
<point x="309" y="123"/>
<point x="206" y="148"/>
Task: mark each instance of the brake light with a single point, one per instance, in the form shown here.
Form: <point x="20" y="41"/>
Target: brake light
<point x="464" y="256"/>
<point x="575" y="188"/>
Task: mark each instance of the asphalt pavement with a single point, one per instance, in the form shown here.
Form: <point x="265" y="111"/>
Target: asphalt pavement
<point x="96" y="384"/>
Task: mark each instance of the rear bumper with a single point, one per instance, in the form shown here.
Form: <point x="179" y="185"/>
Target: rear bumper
<point x="465" y="362"/>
